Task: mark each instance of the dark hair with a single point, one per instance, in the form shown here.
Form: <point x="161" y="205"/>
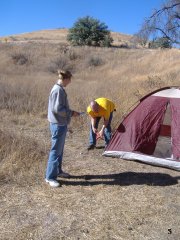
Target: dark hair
<point x="64" y="74"/>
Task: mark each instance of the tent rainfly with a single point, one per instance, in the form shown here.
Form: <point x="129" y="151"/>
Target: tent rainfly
<point x="150" y="133"/>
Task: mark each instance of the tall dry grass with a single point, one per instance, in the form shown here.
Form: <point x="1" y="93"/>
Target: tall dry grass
<point x="108" y="205"/>
<point x="122" y="75"/>
<point x="22" y="160"/>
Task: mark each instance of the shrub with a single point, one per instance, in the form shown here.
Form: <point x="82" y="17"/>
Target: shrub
<point x="20" y="58"/>
<point x="162" y="42"/>
<point x="95" y="61"/>
<point x="73" y="55"/>
<point x="89" y="31"/>
<point x="60" y="63"/>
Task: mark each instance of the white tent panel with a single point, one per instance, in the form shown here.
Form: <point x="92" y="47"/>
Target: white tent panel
<point x="169" y="163"/>
<point x="168" y="93"/>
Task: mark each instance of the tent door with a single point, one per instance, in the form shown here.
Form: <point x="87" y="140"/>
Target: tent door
<point x="163" y="147"/>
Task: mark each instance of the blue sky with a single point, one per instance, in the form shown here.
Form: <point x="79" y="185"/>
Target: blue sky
<point x="124" y="16"/>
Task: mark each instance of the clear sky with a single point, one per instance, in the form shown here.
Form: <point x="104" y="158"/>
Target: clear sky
<point x="124" y="16"/>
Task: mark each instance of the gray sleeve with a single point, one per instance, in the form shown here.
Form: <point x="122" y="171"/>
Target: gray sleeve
<point x="59" y="104"/>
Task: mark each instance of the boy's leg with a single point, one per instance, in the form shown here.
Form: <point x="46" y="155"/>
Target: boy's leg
<point x="58" y="134"/>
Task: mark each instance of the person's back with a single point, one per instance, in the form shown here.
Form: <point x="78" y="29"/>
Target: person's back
<point x="101" y="107"/>
<point x="106" y="106"/>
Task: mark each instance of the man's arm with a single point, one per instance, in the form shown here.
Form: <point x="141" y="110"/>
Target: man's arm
<point x="93" y="122"/>
<point x="101" y="132"/>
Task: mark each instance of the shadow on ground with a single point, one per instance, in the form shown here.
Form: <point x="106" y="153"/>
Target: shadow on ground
<point x="122" y="179"/>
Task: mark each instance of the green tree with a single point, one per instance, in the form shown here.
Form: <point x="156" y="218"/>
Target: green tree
<point x="91" y="32"/>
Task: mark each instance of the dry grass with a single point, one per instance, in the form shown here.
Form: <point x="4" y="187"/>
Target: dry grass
<point x="56" y="35"/>
<point x="105" y="199"/>
<point x="21" y="158"/>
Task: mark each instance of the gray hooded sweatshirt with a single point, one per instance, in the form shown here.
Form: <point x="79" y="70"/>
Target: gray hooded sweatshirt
<point x="58" y="107"/>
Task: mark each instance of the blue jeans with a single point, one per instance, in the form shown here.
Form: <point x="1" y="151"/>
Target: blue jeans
<point x="58" y="135"/>
<point x="107" y="131"/>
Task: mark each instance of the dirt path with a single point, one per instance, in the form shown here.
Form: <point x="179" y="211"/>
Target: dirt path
<point x="105" y="198"/>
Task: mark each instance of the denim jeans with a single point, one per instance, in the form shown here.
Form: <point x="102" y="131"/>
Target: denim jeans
<point x="107" y="131"/>
<point x="58" y="135"/>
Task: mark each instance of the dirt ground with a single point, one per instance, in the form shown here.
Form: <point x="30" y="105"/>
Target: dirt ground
<point x="104" y="199"/>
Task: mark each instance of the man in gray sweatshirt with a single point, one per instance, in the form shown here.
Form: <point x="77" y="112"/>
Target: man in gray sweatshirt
<point x="59" y="116"/>
<point x="58" y="107"/>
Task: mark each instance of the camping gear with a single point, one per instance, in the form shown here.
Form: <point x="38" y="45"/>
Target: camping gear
<point x="151" y="131"/>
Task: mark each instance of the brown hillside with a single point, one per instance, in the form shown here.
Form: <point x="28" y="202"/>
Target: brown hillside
<point x="59" y="35"/>
<point x="105" y="198"/>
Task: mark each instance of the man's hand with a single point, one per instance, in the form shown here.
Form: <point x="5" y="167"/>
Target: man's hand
<point x="101" y="134"/>
<point x="94" y="130"/>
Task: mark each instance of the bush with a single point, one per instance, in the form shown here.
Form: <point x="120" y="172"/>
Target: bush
<point x="95" y="61"/>
<point x="162" y="42"/>
<point x="72" y="55"/>
<point x="20" y="58"/>
<point x="60" y="63"/>
<point x="91" y="32"/>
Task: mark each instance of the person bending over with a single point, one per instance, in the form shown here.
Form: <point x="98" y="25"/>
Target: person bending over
<point x="100" y="108"/>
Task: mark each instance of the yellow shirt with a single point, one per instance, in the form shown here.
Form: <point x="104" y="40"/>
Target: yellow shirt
<point x="106" y="107"/>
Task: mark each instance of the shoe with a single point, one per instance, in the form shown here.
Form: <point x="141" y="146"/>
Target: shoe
<point x="52" y="183"/>
<point x="64" y="175"/>
<point x="91" y="147"/>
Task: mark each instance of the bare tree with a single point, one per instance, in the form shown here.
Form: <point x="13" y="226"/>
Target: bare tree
<point x="164" y="22"/>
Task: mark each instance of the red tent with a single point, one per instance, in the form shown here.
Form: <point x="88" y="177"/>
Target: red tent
<point x="151" y="131"/>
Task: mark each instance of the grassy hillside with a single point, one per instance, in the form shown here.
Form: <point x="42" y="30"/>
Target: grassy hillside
<point x="105" y="198"/>
<point x="58" y="35"/>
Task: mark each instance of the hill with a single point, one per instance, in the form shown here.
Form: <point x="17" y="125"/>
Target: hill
<point x="105" y="198"/>
<point x="59" y="35"/>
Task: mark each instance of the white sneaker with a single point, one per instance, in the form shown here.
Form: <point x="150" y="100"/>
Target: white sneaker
<point x="52" y="183"/>
<point x="64" y="175"/>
